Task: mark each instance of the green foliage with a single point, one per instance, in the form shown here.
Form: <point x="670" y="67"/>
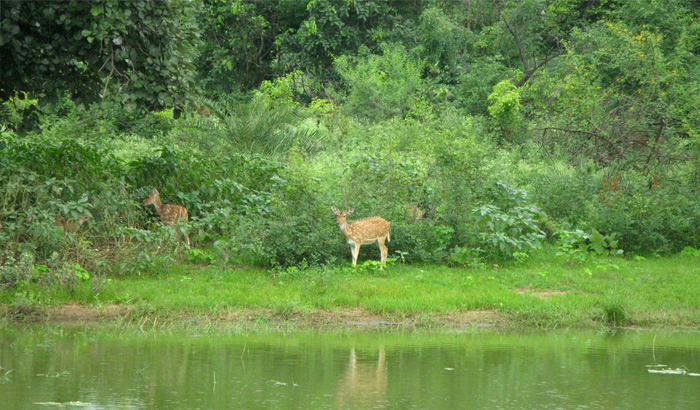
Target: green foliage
<point x="660" y="219"/>
<point x="690" y="251"/>
<point x="562" y="191"/>
<point x="476" y="83"/>
<point x="505" y="232"/>
<point x="461" y="111"/>
<point x="382" y="86"/>
<point x="579" y="244"/>
<point x="443" y="43"/>
<point x="15" y="270"/>
<point x="241" y="59"/>
<point x="470" y="257"/>
<point x="337" y="27"/>
<point x="373" y="267"/>
<point x="614" y="102"/>
<point x="109" y="50"/>
<point x="261" y="125"/>
<point x="505" y="108"/>
<point x="615" y="307"/>
<point x="508" y="225"/>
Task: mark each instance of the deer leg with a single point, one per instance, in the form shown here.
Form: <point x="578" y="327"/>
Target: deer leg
<point x="383" y="250"/>
<point x="355" y="252"/>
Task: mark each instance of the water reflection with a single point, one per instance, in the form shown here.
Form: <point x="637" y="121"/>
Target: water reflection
<point x="102" y="368"/>
<point x="363" y="384"/>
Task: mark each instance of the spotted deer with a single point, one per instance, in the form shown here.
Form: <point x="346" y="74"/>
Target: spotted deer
<point x="72" y="225"/>
<point x="170" y="214"/>
<point x="413" y="213"/>
<point x="364" y="231"/>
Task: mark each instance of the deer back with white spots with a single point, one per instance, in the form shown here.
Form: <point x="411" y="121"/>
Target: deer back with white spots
<point x="364" y="231"/>
<point x="170" y="214"/>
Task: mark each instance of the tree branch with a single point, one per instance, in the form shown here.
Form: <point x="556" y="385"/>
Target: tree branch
<point x="530" y="72"/>
<point x="593" y="134"/>
<point x="515" y="36"/>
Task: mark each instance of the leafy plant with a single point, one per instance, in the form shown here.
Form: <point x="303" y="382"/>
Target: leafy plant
<point x="15" y="270"/>
<point x="505" y="108"/>
<point x="508" y="231"/>
<point x="471" y="257"/>
<point x="579" y="243"/>
<point x="373" y="266"/>
<point x="690" y="251"/>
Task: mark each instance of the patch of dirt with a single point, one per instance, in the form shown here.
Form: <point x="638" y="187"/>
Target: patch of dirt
<point x="81" y="313"/>
<point x="542" y="294"/>
<point x="74" y="314"/>
<point x="69" y="314"/>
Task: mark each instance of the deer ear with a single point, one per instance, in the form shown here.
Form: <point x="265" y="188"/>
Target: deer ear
<point x="350" y="211"/>
<point x="335" y="210"/>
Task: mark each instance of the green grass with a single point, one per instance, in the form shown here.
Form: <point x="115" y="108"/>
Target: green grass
<point x="545" y="291"/>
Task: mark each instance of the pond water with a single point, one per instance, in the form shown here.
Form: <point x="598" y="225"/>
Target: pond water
<point x="107" y="368"/>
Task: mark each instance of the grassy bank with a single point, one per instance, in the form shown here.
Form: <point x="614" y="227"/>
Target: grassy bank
<point x="546" y="291"/>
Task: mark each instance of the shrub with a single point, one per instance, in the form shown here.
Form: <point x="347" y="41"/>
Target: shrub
<point x="382" y="86"/>
<point x="658" y="219"/>
<point x="504" y="232"/>
<point x="508" y="224"/>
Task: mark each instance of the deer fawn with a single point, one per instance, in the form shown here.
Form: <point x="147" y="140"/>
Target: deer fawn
<point x="72" y="225"/>
<point x="413" y="213"/>
<point x="170" y="214"/>
<point x="364" y="231"/>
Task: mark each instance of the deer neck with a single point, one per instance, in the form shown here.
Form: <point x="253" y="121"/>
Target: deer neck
<point x="346" y="229"/>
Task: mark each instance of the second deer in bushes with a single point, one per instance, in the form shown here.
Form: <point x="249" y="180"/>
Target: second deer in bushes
<point x="364" y="231"/>
<point x="72" y="225"/>
<point x="413" y="213"/>
<point x="170" y="214"/>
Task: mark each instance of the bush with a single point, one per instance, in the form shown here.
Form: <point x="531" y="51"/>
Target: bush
<point x="382" y="86"/>
<point x="660" y="219"/>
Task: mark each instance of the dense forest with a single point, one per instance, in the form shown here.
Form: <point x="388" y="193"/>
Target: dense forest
<point x="512" y="125"/>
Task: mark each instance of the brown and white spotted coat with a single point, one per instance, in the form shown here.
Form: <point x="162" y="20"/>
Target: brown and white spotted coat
<point x="170" y="214"/>
<point x="364" y="231"/>
<point x="72" y="225"/>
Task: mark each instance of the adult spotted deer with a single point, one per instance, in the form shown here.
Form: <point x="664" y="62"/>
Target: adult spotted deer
<point x="170" y="214"/>
<point x="364" y="231"/>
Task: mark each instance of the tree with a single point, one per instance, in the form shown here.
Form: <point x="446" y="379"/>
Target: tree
<point x="339" y="27"/>
<point x="624" y="99"/>
<point x="136" y="53"/>
<point x="383" y="86"/>
<point x="241" y="49"/>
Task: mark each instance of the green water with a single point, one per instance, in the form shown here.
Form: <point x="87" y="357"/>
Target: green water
<point x="108" y="368"/>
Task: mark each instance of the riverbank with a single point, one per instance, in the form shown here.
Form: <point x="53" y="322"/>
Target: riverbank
<point x="543" y="292"/>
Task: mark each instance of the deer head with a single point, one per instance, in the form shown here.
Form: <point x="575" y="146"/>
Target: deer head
<point x="364" y="231"/>
<point x="170" y="214"/>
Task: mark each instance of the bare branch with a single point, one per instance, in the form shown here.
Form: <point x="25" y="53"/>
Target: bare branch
<point x="515" y="35"/>
<point x="593" y="134"/>
<point x="529" y="73"/>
